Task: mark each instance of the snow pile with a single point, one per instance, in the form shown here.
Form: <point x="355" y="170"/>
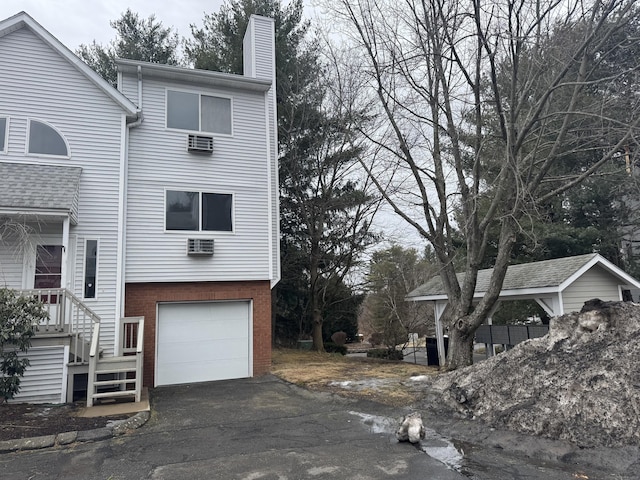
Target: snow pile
<point x="581" y="382"/>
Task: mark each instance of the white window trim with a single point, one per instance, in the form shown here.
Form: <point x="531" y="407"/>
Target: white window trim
<point x="200" y="230"/>
<point x="84" y="267"/>
<point x="200" y="94"/>
<point x="6" y="134"/>
<point x="44" y="155"/>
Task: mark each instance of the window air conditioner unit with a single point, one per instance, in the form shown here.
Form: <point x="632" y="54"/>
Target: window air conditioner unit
<point x="200" y="246"/>
<point x="200" y="144"/>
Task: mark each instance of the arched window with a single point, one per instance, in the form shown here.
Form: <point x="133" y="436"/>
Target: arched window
<point x="46" y="140"/>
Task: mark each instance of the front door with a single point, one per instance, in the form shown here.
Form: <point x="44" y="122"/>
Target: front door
<point x="48" y="271"/>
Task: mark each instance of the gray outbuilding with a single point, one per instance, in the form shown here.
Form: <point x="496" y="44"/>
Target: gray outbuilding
<point x="559" y="286"/>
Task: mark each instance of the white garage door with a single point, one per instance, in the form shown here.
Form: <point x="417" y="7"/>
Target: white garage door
<point x="201" y="342"/>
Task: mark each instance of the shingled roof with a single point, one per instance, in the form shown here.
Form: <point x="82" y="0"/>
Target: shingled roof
<point x="545" y="275"/>
<point x="39" y="188"/>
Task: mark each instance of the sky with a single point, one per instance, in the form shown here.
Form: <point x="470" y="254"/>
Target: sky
<point x="75" y="22"/>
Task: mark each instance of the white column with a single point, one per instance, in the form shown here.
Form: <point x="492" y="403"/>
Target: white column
<point x="64" y="274"/>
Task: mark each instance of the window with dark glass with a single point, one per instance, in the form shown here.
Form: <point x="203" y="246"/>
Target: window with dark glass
<point x="90" y="268"/>
<point x="183" y="210"/>
<point x="199" y="113"/>
<point x="216" y="212"/>
<point x="3" y="134"/>
<point x="48" y="267"/>
<point x="196" y="211"/>
<point x="45" y="140"/>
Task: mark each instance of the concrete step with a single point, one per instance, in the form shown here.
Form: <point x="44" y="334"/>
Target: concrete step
<point x="119" y="393"/>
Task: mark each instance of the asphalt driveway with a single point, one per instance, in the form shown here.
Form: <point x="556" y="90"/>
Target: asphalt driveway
<point x="267" y="429"/>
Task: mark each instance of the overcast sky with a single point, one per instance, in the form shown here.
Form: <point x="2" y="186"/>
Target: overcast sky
<point x="74" y="22"/>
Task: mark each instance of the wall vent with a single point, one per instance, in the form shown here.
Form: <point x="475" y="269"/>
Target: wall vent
<point x="200" y="246"/>
<point x="200" y="144"/>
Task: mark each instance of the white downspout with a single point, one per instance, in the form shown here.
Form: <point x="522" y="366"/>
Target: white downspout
<point x="122" y="213"/>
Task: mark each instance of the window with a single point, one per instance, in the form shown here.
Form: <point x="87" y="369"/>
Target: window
<point x="46" y="140"/>
<point x="90" y="268"/>
<point x="3" y="134"/>
<point x="48" y="267"/>
<point x="197" y="211"/>
<point x="199" y="113"/>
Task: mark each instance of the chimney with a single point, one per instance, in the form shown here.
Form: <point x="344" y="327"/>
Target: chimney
<point x="259" y="49"/>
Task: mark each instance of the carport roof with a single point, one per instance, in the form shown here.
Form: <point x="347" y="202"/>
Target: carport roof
<point x="536" y="277"/>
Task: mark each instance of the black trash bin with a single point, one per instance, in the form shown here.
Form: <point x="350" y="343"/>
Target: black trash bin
<point x="432" y="350"/>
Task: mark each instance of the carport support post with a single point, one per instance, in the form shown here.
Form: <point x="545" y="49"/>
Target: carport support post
<point x="490" y="322"/>
<point x="438" y="310"/>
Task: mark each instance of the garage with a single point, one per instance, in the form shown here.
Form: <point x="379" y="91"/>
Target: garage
<point x="203" y="341"/>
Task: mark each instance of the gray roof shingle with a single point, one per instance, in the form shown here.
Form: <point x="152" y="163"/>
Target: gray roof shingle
<point x="40" y="187"/>
<point x="547" y="273"/>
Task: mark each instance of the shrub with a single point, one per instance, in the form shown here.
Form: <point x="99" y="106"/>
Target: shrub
<point x="385" y="353"/>
<point x="18" y="314"/>
<point x="339" y="338"/>
<point x="375" y="338"/>
<point x="331" y="347"/>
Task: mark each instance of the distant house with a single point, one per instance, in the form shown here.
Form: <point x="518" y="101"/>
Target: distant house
<point x="156" y="201"/>
<point x="559" y="286"/>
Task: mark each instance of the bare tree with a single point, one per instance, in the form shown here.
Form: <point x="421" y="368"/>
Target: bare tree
<point x="392" y="274"/>
<point x="478" y="103"/>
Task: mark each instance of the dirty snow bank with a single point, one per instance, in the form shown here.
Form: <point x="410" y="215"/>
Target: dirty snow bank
<point x="581" y="382"/>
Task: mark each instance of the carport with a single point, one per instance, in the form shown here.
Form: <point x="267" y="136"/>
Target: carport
<point x="559" y="286"/>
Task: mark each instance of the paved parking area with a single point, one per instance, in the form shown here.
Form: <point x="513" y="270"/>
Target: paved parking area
<point x="267" y="429"/>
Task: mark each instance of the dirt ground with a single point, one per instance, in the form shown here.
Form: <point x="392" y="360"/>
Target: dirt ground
<point x="385" y="382"/>
<point x="22" y="420"/>
<point x="397" y="384"/>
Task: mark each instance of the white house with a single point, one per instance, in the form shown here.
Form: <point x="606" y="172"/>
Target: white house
<point x="158" y="200"/>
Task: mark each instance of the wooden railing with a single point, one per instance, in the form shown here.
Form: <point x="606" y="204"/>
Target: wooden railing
<point x="67" y="315"/>
<point x="119" y="375"/>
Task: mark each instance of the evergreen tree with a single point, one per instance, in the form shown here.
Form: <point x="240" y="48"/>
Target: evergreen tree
<point x="136" y="39"/>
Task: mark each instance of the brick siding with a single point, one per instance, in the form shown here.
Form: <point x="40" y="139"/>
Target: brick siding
<point x="141" y="299"/>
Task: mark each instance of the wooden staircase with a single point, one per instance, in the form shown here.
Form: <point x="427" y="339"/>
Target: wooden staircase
<point x="118" y="376"/>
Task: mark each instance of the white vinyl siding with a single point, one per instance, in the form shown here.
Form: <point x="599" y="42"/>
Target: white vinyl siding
<point x="38" y="83"/>
<point x="11" y="261"/>
<point x="159" y="161"/>
<point x="44" y="381"/>
<point x="595" y="283"/>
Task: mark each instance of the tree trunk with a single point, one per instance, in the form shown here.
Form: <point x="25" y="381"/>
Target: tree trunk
<point x="318" y="344"/>
<point x="460" y="352"/>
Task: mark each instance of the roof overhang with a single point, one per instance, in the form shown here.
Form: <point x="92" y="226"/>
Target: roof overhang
<point x="37" y="214"/>
<point x="515" y="294"/>
<point x="191" y="75"/>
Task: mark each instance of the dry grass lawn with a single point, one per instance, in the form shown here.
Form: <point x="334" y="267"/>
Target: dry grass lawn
<point x="381" y="381"/>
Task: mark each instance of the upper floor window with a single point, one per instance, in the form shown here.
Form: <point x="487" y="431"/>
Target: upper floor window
<point x="199" y="113"/>
<point x="46" y="140"/>
<point x="3" y="134"/>
<point x="198" y="211"/>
